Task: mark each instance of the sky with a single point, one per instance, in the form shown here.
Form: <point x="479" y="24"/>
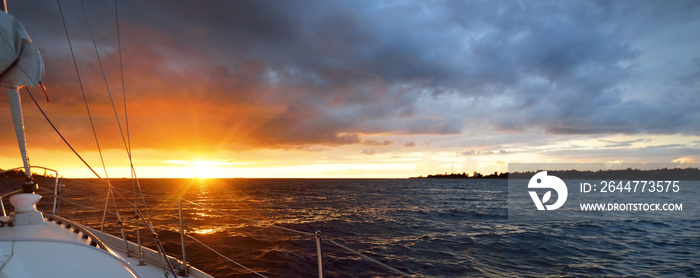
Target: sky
<point x="360" y="89"/>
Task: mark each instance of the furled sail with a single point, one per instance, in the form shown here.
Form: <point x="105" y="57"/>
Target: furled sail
<point x="20" y="61"/>
<point x="20" y="65"/>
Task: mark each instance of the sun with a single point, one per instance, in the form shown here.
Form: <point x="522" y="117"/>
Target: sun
<point x="203" y="169"/>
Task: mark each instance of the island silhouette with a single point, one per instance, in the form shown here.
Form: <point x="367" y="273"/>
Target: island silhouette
<point x="629" y="173"/>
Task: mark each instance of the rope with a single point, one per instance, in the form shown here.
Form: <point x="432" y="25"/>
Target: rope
<point x="369" y="258"/>
<point x="211" y="249"/>
<point x="166" y="228"/>
<point x="305" y="233"/>
<point x="76" y="203"/>
<point x="228" y="259"/>
<point x="138" y="212"/>
<point x="87" y="207"/>
<point x="61" y="135"/>
<point x="109" y="185"/>
<point x="251" y="220"/>
<point x="270" y="225"/>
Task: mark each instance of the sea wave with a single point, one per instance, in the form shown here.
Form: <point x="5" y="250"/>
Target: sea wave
<point x="432" y="228"/>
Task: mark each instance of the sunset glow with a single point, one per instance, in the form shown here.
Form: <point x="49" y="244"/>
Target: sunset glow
<point x="364" y="90"/>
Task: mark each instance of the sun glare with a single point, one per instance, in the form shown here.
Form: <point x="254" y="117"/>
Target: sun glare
<point x="203" y="170"/>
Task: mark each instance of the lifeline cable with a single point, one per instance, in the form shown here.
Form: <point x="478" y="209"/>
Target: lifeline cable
<point x="307" y="233"/>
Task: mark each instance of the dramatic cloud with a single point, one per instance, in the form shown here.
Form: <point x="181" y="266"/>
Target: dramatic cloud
<point x="297" y="74"/>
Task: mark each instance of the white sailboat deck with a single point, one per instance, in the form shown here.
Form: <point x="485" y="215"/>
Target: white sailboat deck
<point x="48" y="249"/>
<point x="63" y="248"/>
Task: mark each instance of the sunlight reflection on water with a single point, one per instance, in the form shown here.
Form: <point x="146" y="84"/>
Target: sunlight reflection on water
<point x="208" y="231"/>
<point x="433" y="228"/>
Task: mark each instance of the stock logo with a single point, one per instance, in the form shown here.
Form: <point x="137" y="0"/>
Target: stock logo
<point x="541" y="180"/>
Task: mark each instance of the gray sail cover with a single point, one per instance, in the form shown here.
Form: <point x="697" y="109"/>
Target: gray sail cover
<point x="20" y="61"/>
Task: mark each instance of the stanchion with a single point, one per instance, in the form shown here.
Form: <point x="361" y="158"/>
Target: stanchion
<point x="182" y="237"/>
<point x="138" y="239"/>
<point x="319" y="254"/>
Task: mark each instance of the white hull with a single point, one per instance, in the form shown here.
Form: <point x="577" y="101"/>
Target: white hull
<point x="62" y="248"/>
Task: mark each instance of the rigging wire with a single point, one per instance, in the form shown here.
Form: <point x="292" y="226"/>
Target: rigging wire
<point x="99" y="60"/>
<point x="104" y="75"/>
<point x="116" y="115"/>
<point x="155" y="235"/>
<point x="134" y="178"/>
<point x="50" y="191"/>
<point x="114" y="108"/>
<point x="128" y="149"/>
<point x="103" y="180"/>
<point x="82" y="89"/>
<point x="134" y="181"/>
<point x="106" y="182"/>
<point x="64" y="138"/>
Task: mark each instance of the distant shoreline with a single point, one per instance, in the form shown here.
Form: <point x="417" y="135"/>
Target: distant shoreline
<point x="664" y="173"/>
<point x="463" y="176"/>
<point x="635" y="174"/>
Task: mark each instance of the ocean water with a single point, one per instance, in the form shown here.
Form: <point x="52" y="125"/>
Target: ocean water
<point x="426" y="227"/>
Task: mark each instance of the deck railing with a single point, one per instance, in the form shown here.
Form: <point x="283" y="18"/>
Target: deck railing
<point x="58" y="187"/>
<point x="317" y="236"/>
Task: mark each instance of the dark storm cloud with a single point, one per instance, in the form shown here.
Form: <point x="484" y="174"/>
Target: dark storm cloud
<point x="327" y="72"/>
